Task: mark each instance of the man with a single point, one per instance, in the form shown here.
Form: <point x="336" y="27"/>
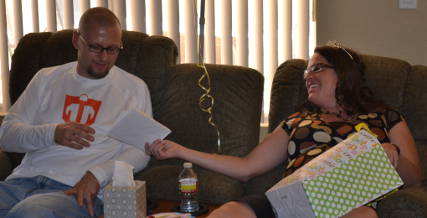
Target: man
<point x="61" y="122"/>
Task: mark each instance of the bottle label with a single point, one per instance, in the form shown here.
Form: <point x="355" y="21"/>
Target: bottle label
<point x="188" y="185"/>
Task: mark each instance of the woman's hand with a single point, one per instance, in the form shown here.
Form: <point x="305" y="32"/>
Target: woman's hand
<point x="163" y="149"/>
<point x="392" y="153"/>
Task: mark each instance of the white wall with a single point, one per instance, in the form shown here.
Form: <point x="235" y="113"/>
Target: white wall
<point x="376" y="27"/>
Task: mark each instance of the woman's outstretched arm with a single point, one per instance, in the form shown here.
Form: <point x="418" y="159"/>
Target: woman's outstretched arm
<point x="265" y="156"/>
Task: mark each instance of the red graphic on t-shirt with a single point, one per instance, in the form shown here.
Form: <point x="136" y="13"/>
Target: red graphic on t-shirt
<point x="80" y="109"/>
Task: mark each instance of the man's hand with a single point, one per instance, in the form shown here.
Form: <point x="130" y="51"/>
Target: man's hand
<point x="74" y="135"/>
<point x="85" y="191"/>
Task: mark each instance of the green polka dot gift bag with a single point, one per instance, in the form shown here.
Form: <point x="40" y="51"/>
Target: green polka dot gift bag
<point x="350" y="174"/>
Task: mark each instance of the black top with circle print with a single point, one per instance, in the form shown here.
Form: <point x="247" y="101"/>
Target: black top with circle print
<point x="310" y="136"/>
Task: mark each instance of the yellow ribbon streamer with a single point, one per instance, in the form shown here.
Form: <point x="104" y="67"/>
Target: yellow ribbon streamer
<point x="207" y="101"/>
<point x="364" y="126"/>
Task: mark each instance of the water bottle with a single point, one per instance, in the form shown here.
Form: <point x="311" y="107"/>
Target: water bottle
<point x="188" y="189"/>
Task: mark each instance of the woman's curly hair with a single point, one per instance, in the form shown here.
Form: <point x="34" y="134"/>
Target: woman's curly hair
<point x="350" y="93"/>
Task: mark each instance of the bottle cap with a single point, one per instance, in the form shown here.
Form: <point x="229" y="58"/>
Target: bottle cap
<point x="188" y="165"/>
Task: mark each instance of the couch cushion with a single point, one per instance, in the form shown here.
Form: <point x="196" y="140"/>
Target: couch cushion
<point x="415" y="102"/>
<point x="287" y="91"/>
<point x="5" y="166"/>
<point x="25" y="62"/>
<point x="409" y="202"/>
<point x="387" y="78"/>
<point x="237" y="93"/>
<point x="422" y="152"/>
<point x="150" y="58"/>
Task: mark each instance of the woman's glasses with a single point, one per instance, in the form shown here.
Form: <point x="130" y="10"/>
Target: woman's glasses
<point x="99" y="49"/>
<point x="317" y="68"/>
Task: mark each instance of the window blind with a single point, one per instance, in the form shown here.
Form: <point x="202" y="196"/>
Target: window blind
<point x="260" y="34"/>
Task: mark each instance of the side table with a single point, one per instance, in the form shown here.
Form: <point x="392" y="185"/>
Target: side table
<point x="170" y="206"/>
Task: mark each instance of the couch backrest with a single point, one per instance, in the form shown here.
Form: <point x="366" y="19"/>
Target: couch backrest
<point x="237" y="93"/>
<point x="394" y="81"/>
<point x="148" y="57"/>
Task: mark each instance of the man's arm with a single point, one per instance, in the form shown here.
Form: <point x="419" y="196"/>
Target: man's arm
<point x="17" y="132"/>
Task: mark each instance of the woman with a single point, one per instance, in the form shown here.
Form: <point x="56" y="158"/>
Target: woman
<point x="336" y="103"/>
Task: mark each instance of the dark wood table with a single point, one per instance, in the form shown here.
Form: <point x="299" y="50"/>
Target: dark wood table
<point x="170" y="206"/>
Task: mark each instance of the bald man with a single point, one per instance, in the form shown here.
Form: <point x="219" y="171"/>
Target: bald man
<point x="61" y="122"/>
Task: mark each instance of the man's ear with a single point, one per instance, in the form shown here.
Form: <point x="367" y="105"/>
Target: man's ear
<point x="75" y="39"/>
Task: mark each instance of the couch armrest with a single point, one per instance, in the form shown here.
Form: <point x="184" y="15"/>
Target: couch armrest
<point x="5" y="166"/>
<point x="410" y="202"/>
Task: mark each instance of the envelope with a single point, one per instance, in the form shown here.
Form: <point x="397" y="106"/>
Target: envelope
<point x="137" y="128"/>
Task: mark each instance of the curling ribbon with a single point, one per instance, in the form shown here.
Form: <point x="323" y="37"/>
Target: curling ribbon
<point x="206" y="101"/>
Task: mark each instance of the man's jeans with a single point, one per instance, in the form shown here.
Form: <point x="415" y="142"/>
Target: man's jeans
<point x="40" y="197"/>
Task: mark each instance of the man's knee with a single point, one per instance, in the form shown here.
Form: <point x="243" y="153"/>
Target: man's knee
<point x="48" y="205"/>
<point x="8" y="198"/>
<point x="31" y="211"/>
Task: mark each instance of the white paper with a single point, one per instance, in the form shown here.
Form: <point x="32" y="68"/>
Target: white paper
<point x="122" y="174"/>
<point x="136" y="128"/>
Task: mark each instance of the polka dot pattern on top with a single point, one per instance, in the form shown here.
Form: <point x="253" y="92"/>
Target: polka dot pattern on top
<point x="310" y="136"/>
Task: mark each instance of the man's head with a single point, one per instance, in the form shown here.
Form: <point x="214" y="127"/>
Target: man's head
<point x="98" y="41"/>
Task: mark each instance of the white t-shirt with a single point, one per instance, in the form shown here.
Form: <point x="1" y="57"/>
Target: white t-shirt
<point x="58" y="94"/>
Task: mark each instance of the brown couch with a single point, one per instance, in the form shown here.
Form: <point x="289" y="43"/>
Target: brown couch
<point x="175" y="96"/>
<point x="399" y="85"/>
<point x="238" y="96"/>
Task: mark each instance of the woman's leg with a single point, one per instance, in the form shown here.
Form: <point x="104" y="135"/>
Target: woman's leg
<point x="249" y="206"/>
<point x="233" y="209"/>
<point x="363" y="211"/>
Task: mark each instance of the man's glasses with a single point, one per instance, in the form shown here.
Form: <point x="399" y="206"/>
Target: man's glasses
<point x="99" y="49"/>
<point x="317" y="68"/>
